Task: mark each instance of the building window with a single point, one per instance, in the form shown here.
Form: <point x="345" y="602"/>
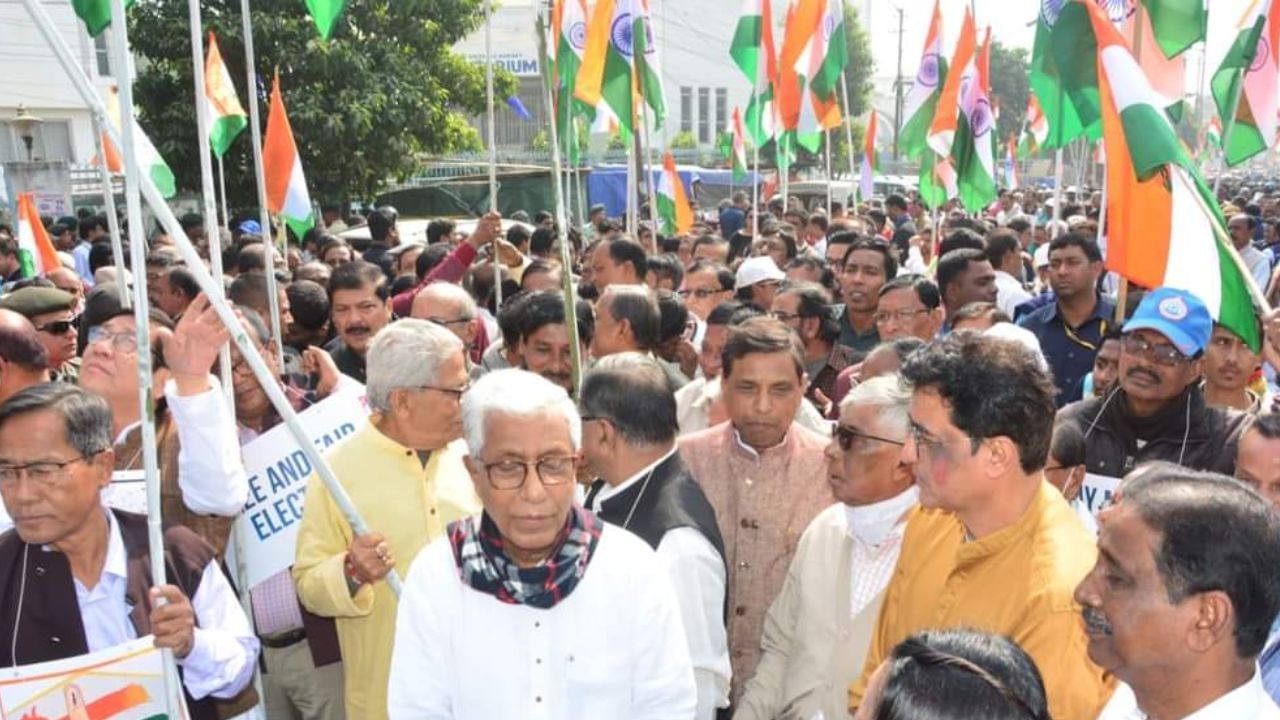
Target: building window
<point x="704" y="115"/>
<point x="51" y="141"/>
<point x="722" y="109"/>
<point x="686" y="109"/>
<point x="102" y="55"/>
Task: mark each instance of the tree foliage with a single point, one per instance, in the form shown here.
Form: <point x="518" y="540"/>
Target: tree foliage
<point x="1009" y="85"/>
<point x="365" y="106"/>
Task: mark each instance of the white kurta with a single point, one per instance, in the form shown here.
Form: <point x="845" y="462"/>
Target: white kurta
<point x="615" y="648"/>
<point x="1247" y="702"/>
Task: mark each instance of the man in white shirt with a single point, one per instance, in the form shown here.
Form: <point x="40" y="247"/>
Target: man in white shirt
<point x="1004" y="252"/>
<point x="629" y="443"/>
<point x="75" y="576"/>
<point x="817" y="631"/>
<point x="578" y="619"/>
<point x="1241" y="227"/>
<point x="1182" y="597"/>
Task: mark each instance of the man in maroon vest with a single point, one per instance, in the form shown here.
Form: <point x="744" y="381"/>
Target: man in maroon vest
<point x="75" y="577"/>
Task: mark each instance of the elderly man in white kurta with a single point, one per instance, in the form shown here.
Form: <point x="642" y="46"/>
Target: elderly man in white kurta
<point x="535" y="609"/>
<point x="817" y="631"/>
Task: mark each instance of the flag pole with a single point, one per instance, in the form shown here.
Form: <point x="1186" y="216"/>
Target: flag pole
<point x="208" y="203"/>
<point x="204" y="279"/>
<point x="222" y="192"/>
<point x="848" y="125"/>
<point x="632" y="211"/>
<point x="264" y="212"/>
<point x="646" y="151"/>
<point x="496" y="261"/>
<point x="113" y="222"/>
<point x="142" y="322"/>
<point x="755" y="180"/>
<point x="826" y="141"/>
<point x="566" y="277"/>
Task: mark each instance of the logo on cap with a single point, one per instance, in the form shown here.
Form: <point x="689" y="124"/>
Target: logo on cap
<point x="1174" y="308"/>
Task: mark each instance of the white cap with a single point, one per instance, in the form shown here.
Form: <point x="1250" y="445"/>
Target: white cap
<point x="1042" y="256"/>
<point x="757" y="269"/>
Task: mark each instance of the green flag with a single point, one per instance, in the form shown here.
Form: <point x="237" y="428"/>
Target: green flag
<point x="1177" y="24"/>
<point x="96" y="14"/>
<point x="1056" y="66"/>
<point x="326" y="13"/>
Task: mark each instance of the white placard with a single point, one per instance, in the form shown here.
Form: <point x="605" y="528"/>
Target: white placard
<point x="1095" y="494"/>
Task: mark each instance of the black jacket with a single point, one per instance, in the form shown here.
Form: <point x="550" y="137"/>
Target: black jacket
<point x="1187" y="432"/>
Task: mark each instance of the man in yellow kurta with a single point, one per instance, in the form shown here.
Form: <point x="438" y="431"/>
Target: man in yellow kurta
<point x="993" y="547"/>
<point x="404" y="473"/>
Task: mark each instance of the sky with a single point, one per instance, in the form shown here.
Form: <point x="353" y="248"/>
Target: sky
<point x="1012" y="22"/>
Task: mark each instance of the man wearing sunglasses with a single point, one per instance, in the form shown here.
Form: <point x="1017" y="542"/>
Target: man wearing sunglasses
<point x="818" y="628"/>
<point x="1158" y="411"/>
<point x="50" y="311"/>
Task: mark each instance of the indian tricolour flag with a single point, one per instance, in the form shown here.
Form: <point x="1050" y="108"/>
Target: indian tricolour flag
<point x="571" y="33"/>
<point x="149" y="160"/>
<point x="963" y="122"/>
<point x="819" y="109"/>
<point x="753" y="51"/>
<point x="287" y="194"/>
<point x="673" y="204"/>
<point x="923" y="97"/>
<point x="870" y="163"/>
<point x="733" y="146"/>
<point x="1037" y="127"/>
<point x="619" y="61"/>
<point x="1247" y="81"/>
<point x="36" y="255"/>
<point x="1163" y="225"/>
<point x="226" y="114"/>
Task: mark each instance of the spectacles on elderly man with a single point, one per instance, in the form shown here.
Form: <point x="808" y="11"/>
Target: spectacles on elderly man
<point x="44" y="473"/>
<point x="846" y="436"/>
<point x="457" y="393"/>
<point x="510" y="474"/>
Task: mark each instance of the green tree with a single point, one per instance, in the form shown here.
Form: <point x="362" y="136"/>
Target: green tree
<point x="684" y="140"/>
<point x="365" y="106"/>
<point x="1009" y="85"/>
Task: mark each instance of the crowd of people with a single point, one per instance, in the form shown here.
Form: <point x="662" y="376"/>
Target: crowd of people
<point x="802" y="463"/>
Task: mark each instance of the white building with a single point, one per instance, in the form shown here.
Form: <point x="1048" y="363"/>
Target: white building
<point x="31" y="76"/>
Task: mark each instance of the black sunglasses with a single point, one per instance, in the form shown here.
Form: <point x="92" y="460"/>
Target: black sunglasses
<point x="59" y="327"/>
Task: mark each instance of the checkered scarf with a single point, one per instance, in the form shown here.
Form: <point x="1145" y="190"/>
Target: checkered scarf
<point x="483" y="563"/>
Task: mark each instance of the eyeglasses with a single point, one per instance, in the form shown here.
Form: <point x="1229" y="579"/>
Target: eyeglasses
<point x="846" y="436"/>
<point x="44" y="473"/>
<point x="1166" y="355"/>
<point x="446" y="323"/>
<point x="124" y="341"/>
<point x="59" y="327"/>
<point x="551" y="470"/>
<point x="902" y="315"/>
<point x="456" y="392"/>
<point x="927" y="443"/>
<point x="699" y="293"/>
<point x="784" y="316"/>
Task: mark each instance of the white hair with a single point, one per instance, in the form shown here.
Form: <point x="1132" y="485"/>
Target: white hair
<point x="518" y="393"/>
<point x="450" y="293"/>
<point x="406" y="353"/>
<point x="889" y="396"/>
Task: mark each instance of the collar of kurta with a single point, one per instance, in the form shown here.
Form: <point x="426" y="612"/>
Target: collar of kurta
<point x="745" y="449"/>
<point x="382" y="441"/>
<point x="978" y="550"/>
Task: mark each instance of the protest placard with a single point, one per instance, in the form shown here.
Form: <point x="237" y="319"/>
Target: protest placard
<point x="1095" y="494"/>
<point x="125" y="681"/>
<point x="278" y="471"/>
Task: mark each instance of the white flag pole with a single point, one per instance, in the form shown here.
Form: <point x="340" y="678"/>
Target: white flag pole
<point x="493" y="149"/>
<point x="264" y="212"/>
<point x="141" y="313"/>
<point x="206" y="282"/>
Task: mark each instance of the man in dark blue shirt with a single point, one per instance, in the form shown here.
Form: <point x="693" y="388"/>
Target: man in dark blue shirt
<point x="1070" y="330"/>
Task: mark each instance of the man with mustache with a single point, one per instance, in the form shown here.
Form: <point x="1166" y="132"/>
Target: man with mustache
<point x="1159" y="411"/>
<point x="359" y="307"/>
<point x="1182" y="596"/>
<point x="542" y="343"/>
<point x="1229" y="364"/>
<point x="993" y="545"/>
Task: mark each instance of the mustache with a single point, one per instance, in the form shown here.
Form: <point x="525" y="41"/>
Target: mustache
<point x="1133" y="372"/>
<point x="1096" y="623"/>
<point x="357" y="329"/>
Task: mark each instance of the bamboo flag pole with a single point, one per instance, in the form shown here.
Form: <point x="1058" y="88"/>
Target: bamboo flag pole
<point x="222" y="193"/>
<point x="264" y="212"/>
<point x="848" y="128"/>
<point x="113" y="222"/>
<point x="141" y="314"/>
<point x="570" y="303"/>
<point x="206" y="281"/>
<point x="493" y="150"/>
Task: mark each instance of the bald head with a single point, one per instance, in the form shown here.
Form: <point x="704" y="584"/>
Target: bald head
<point x="23" y="358"/>
<point x="448" y="305"/>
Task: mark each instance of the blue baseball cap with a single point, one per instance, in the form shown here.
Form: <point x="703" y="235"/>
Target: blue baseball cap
<point x="1176" y="314"/>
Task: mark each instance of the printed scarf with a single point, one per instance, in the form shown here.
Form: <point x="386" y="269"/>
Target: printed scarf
<point x="484" y="566"/>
